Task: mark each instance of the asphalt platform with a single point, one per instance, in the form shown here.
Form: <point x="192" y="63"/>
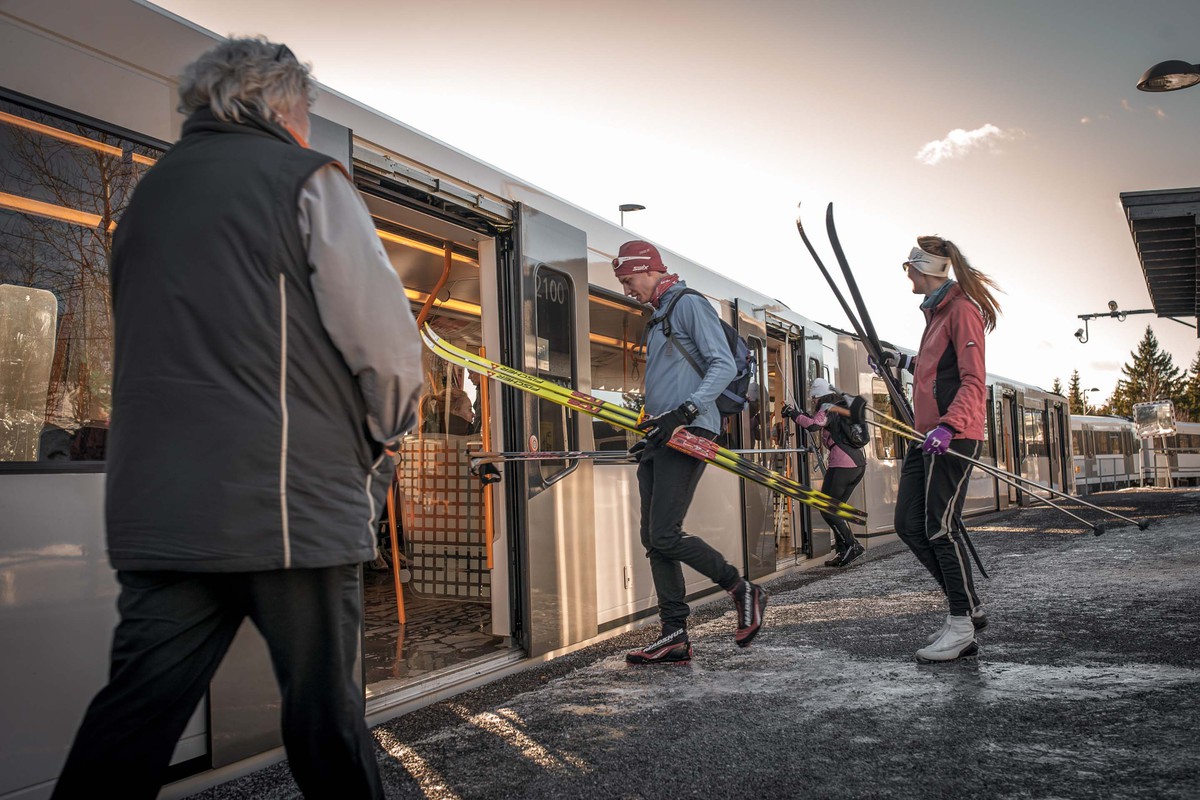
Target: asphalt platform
<point x="1087" y="686"/>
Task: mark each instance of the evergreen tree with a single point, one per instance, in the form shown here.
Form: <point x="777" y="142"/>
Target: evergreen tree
<point x="1075" y="398"/>
<point x="1187" y="405"/>
<point x="1056" y="387"/>
<point x="1152" y="375"/>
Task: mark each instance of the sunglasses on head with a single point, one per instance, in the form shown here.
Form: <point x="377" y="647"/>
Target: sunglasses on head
<point x="284" y="51"/>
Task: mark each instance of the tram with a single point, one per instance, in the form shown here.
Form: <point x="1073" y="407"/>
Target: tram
<point x="1106" y="453"/>
<point x="473" y="581"/>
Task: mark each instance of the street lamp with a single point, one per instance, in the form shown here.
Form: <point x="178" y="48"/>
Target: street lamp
<point x="1167" y="76"/>
<point x="629" y="207"/>
<point x="1087" y="404"/>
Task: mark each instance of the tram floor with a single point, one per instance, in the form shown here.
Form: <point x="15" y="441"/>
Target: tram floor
<point x="438" y="634"/>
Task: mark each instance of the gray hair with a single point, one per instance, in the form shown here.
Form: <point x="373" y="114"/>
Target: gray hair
<point x="241" y="76"/>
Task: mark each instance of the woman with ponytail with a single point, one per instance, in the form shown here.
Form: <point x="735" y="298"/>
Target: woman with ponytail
<point x="949" y="404"/>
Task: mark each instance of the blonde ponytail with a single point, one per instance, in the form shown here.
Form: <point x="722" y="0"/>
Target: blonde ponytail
<point x="973" y="282"/>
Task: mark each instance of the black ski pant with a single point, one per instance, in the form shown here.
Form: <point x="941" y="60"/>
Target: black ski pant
<point x="931" y="495"/>
<point x="667" y="481"/>
<point x="839" y="483"/>
<point x="174" y="630"/>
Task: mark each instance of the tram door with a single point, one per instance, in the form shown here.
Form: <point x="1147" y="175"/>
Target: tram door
<point x="1009" y="445"/>
<point x="758" y="518"/>
<point x="544" y="297"/>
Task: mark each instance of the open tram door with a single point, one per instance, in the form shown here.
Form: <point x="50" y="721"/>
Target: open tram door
<point x="750" y="430"/>
<point x="544" y="324"/>
<point x="1008" y="449"/>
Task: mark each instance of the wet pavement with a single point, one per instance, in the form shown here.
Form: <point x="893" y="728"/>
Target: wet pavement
<point x="1087" y="685"/>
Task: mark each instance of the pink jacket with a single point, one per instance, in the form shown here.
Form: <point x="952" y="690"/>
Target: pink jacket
<point x="950" y="381"/>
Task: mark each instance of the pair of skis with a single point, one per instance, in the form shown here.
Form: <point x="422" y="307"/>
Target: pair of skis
<point x="865" y="329"/>
<point x="621" y="417"/>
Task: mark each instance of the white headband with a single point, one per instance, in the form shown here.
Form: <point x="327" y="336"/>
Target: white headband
<point x="937" y="266"/>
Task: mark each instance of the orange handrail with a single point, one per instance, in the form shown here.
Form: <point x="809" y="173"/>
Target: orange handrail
<point x="391" y="509"/>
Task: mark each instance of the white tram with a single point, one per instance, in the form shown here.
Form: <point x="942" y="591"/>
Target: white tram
<point x="1106" y="453"/>
<point x="479" y="581"/>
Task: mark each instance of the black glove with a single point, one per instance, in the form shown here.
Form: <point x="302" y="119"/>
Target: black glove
<point x="637" y="451"/>
<point x="789" y="412"/>
<point x="892" y="358"/>
<point x="659" y="429"/>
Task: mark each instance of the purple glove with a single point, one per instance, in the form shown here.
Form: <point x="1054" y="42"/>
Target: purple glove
<point x="937" y="441"/>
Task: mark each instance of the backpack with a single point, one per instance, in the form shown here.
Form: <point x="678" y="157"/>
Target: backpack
<point x="733" y="399"/>
<point x="855" y="433"/>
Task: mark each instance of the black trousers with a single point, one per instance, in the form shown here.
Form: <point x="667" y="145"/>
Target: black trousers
<point x="177" y="626"/>
<point x="667" y="481"/>
<point x="931" y="494"/>
<point x="839" y="483"/>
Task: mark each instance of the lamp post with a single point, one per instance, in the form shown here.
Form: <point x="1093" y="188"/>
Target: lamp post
<point x="1087" y="403"/>
<point x="1167" y="76"/>
<point x="628" y="207"/>
<point x="1117" y="313"/>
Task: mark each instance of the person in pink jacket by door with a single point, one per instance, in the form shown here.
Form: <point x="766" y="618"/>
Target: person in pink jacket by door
<point x="846" y="462"/>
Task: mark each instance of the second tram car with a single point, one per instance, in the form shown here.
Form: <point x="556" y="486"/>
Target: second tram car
<point x="1105" y="452"/>
<point x="1176" y="457"/>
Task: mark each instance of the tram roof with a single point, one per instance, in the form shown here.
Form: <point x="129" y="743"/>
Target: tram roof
<point x="1165" y="225"/>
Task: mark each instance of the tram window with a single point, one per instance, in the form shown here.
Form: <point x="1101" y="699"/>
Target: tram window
<point x="887" y="445"/>
<point x="1035" y="441"/>
<point x="814" y="369"/>
<point x="618" y="364"/>
<point x="63" y="187"/>
<point x="555" y="359"/>
<point x="1077" y="443"/>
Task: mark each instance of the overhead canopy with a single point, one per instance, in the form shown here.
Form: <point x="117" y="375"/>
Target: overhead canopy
<point x="1165" y="225"/>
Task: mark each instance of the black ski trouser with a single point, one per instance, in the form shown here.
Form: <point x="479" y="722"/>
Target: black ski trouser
<point x="931" y="495"/>
<point x="177" y="626"/>
<point x="839" y="483"/>
<point x="667" y="482"/>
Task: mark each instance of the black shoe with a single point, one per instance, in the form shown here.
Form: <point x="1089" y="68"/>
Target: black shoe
<point x="750" y="599"/>
<point x="672" y="647"/>
<point x="853" y="554"/>
<point x="979" y="619"/>
<point x="836" y="559"/>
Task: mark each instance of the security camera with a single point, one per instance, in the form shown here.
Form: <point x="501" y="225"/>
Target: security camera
<point x="1112" y="305"/>
<point x="1079" y="334"/>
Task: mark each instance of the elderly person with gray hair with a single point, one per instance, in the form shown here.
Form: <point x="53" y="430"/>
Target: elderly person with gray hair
<point x="265" y="355"/>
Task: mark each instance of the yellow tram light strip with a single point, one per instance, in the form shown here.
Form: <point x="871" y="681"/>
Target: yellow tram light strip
<point x="72" y="138"/>
<point x="26" y="205"/>
<point x="422" y="246"/>
<point x="450" y="305"/>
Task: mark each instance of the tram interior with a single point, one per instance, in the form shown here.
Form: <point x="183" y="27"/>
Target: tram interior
<point x="428" y="600"/>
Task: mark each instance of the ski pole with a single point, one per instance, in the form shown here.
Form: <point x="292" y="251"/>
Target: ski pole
<point x="1143" y="525"/>
<point x="1096" y="528"/>
<point x="486" y="456"/>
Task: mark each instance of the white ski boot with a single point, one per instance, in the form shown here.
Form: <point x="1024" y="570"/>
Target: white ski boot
<point x="957" y="641"/>
<point x="978" y="619"/>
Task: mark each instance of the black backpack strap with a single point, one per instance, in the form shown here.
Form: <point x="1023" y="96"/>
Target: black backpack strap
<point x="665" y="320"/>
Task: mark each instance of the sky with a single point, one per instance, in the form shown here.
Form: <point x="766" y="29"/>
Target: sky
<point x="1010" y="128"/>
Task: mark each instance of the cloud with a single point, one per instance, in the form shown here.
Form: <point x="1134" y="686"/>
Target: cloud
<point x="1155" y="110"/>
<point x="958" y="143"/>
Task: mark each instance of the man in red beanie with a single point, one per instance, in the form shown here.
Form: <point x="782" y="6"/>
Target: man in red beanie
<point x="688" y="365"/>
